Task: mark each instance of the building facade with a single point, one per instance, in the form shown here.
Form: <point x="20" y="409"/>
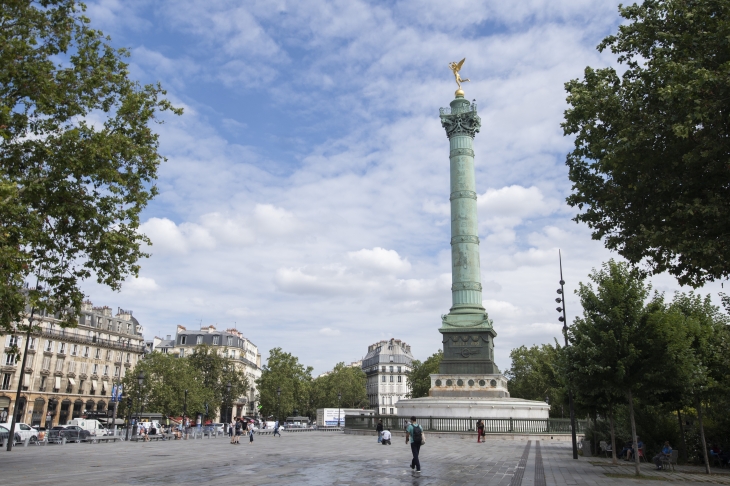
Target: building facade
<point x="230" y="344"/>
<point x="386" y="366"/>
<point x="69" y="372"/>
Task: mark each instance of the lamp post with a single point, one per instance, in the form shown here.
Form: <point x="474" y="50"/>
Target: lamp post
<point x="339" y="408"/>
<point x="140" y="381"/>
<point x="564" y="320"/>
<point x="185" y="409"/>
<point x="129" y="416"/>
<point x="228" y="404"/>
<point x="278" y="403"/>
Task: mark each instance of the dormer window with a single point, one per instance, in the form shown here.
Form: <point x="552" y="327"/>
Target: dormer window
<point x="183" y="339"/>
<point x="216" y="340"/>
<point x="199" y="340"/>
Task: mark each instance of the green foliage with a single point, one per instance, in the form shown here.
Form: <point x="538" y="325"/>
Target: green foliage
<point x="535" y="375"/>
<point x="348" y="381"/>
<point x="217" y="372"/>
<point x="649" y="167"/>
<point x="77" y="158"/>
<point x="419" y="380"/>
<point x="284" y="372"/>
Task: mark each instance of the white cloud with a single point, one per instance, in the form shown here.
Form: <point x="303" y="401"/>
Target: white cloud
<point x="380" y="259"/>
<point x="326" y="331"/>
<point x="140" y="284"/>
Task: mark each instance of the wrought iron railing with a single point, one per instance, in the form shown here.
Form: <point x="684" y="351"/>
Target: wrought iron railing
<point x="73" y="337"/>
<point x="448" y="424"/>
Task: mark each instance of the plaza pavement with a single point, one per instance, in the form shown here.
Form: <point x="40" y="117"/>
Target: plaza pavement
<point x="317" y="458"/>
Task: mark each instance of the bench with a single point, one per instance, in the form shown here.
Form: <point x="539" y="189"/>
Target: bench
<point x="102" y="438"/>
<point x="140" y="438"/>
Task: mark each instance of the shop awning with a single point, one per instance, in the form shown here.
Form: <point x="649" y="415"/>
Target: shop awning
<point x="72" y="381"/>
<point x="95" y="384"/>
<point x="58" y="383"/>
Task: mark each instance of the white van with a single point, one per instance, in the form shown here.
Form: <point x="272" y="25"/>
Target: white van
<point x="93" y="426"/>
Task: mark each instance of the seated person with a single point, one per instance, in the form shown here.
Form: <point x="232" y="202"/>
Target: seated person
<point x="626" y="450"/>
<point x="665" y="454"/>
<point x="386" y="437"/>
<point x="639" y="444"/>
<point x="153" y="430"/>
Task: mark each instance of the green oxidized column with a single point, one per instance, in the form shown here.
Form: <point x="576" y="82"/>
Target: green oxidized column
<point x="467" y="329"/>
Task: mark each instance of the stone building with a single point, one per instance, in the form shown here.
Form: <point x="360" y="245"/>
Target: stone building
<point x="230" y="344"/>
<point x="386" y="366"/>
<point x="69" y="372"/>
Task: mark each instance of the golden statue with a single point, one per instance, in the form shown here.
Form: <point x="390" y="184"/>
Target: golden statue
<point x="455" y="68"/>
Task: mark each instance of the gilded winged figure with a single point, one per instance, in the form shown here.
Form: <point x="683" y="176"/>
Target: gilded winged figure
<point x="455" y="68"/>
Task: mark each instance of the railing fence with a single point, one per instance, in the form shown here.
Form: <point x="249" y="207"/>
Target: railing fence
<point x="448" y="424"/>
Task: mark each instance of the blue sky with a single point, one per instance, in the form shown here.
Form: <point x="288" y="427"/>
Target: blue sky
<point x="305" y="197"/>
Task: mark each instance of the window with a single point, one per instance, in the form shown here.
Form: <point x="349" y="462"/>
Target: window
<point x="106" y="370"/>
<point x="182" y="353"/>
<point x="69" y="387"/>
<point x="383" y="380"/>
<point x="391" y="411"/>
<point x="116" y="371"/>
<point x="391" y="369"/>
<point x="49" y="346"/>
<point x="7" y="379"/>
<point x="32" y="343"/>
<point x="119" y="357"/>
<point x="97" y="354"/>
<point x="199" y="340"/>
<point x="82" y="319"/>
<point x="84" y="368"/>
<point x="109" y="325"/>
<point x="216" y="340"/>
<point x="95" y="369"/>
<point x="108" y="354"/>
<point x="9" y="359"/>
<point x="164" y="350"/>
<point x="230" y="340"/>
<point x="383" y="410"/>
<point x="43" y="384"/>
<point x="383" y="369"/>
<point x="399" y="369"/>
<point x="81" y="387"/>
<point x="129" y="328"/>
<point x="74" y="349"/>
<point x="129" y="357"/>
<point x="86" y="352"/>
<point x="13" y="341"/>
<point x="391" y="378"/>
<point x="46" y="363"/>
<point x="183" y="339"/>
<point x="62" y="348"/>
<point x="392" y="358"/>
<point x="59" y="364"/>
<point x="72" y="366"/>
<point x="400" y="379"/>
<point x="119" y="326"/>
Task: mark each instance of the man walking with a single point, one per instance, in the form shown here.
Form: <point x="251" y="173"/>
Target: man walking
<point x="379" y="428"/>
<point x="480" y="430"/>
<point x="276" y="429"/>
<point x="386" y="437"/>
<point x="414" y="434"/>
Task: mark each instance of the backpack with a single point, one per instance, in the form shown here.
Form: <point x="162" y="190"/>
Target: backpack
<point x="418" y="435"/>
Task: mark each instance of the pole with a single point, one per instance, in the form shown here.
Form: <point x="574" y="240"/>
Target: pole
<point x="11" y="435"/>
<point x="570" y="388"/>
<point x="185" y="409"/>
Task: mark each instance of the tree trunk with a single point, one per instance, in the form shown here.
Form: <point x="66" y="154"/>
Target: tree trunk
<point x="681" y="434"/>
<point x="613" y="434"/>
<point x="637" y="464"/>
<point x="702" y="433"/>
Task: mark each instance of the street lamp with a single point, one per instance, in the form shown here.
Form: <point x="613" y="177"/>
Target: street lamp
<point x="228" y="407"/>
<point x="140" y="381"/>
<point x="129" y="415"/>
<point x="185" y="409"/>
<point x="339" y="412"/>
<point x="564" y="320"/>
<point x="278" y="403"/>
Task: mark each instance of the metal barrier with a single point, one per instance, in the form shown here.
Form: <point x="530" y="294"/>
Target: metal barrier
<point x="449" y="424"/>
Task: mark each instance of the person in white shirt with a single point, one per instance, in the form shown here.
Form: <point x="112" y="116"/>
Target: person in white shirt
<point x="386" y="437"/>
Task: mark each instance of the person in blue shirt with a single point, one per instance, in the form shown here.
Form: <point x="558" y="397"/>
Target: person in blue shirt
<point x="414" y="431"/>
<point x="666" y="453"/>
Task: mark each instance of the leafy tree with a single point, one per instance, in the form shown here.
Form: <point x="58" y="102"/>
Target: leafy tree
<point x="534" y="375"/>
<point x="77" y="158"/>
<point x="649" y="167"/>
<point x="166" y="377"/>
<point x="283" y="372"/>
<point x="348" y="381"/>
<point x="217" y="372"/>
<point x="612" y="346"/>
<point x="419" y="379"/>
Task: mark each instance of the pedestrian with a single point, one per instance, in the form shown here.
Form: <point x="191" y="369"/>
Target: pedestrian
<point x="230" y="431"/>
<point x="386" y="437"/>
<point x="238" y="431"/>
<point x="250" y="432"/>
<point x="480" y="430"/>
<point x="379" y="428"/>
<point x="414" y="434"/>
<point x="276" y="429"/>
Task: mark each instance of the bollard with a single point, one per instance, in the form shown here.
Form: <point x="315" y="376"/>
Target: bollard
<point x="5" y="443"/>
<point x="26" y="442"/>
<point x="63" y="441"/>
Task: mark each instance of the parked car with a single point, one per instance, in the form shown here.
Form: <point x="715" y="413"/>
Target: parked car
<point x="5" y="433"/>
<point x="72" y="433"/>
<point x="218" y="428"/>
<point x="24" y="430"/>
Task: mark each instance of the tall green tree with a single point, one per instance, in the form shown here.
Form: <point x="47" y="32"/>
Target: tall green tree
<point x="612" y="345"/>
<point x="347" y="381"/>
<point x="534" y="375"/>
<point x="419" y="379"/>
<point x="217" y="372"/>
<point x="649" y="167"/>
<point x="285" y="374"/>
<point x="78" y="158"/>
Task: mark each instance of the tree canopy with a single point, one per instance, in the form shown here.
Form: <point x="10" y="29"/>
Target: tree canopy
<point x="419" y="379"/>
<point x="283" y="372"/>
<point x="535" y="375"/>
<point x="78" y="158"/>
<point x="652" y="144"/>
<point x="345" y="380"/>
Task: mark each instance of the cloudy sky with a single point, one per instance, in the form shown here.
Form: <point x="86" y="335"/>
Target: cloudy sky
<point x="305" y="197"/>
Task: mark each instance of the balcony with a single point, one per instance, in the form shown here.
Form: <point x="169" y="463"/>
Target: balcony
<point x="77" y="338"/>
